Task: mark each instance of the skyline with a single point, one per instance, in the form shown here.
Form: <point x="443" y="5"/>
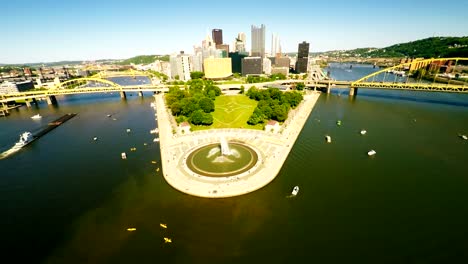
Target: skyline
<point x="50" y="31"/>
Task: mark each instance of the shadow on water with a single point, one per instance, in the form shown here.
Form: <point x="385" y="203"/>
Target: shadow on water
<point x="409" y="98"/>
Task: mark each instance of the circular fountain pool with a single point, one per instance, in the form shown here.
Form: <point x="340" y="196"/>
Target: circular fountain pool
<point x="209" y="161"/>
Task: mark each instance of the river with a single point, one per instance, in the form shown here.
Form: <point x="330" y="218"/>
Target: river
<point x="69" y="199"/>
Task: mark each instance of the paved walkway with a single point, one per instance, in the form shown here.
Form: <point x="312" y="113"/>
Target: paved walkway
<point x="272" y="150"/>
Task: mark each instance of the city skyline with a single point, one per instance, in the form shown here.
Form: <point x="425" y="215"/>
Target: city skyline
<point x="85" y="30"/>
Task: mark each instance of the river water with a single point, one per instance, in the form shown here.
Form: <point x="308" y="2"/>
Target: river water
<point x="69" y="199"/>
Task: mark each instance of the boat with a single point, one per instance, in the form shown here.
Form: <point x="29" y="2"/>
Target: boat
<point x="464" y="137"/>
<point x="128" y="130"/>
<point x="95" y="138"/>
<point x="154" y="131"/>
<point x="153" y="161"/>
<point x="38" y="116"/>
<point x="131" y="229"/>
<point x="156" y="140"/>
<point x="363" y="132"/>
<point x="153" y="105"/>
<point x="167" y="240"/>
<point x="109" y="115"/>
<point x="328" y="138"/>
<point x="25" y="138"/>
<point x="338" y="122"/>
<point x="162" y="225"/>
<point x="295" y="190"/>
<point x="124" y="156"/>
<point x="371" y="152"/>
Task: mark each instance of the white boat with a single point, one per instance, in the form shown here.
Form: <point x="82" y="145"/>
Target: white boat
<point x="38" y="116"/>
<point x="128" y="130"/>
<point x="154" y="131"/>
<point x="95" y="138"/>
<point x="156" y="140"/>
<point x="363" y="132"/>
<point x="124" y="156"/>
<point x="371" y="152"/>
<point x="295" y="190"/>
<point x="464" y="137"/>
<point x="328" y="138"/>
<point x="153" y="105"/>
<point x="25" y="138"/>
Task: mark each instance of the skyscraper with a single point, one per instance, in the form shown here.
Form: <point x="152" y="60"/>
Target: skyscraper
<point x="302" y="57"/>
<point x="275" y="45"/>
<point x="258" y="41"/>
<point x="217" y="36"/>
<point x="239" y="44"/>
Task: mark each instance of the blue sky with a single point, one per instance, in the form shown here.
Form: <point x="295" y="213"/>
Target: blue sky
<point x="50" y="30"/>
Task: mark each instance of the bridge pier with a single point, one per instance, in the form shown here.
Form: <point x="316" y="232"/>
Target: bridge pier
<point x="140" y="93"/>
<point x="353" y="91"/>
<point x="328" y="89"/>
<point x="33" y="100"/>
<point x="51" y="99"/>
<point x="123" y="95"/>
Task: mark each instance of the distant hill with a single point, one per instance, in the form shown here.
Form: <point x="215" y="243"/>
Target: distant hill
<point x="144" y="59"/>
<point x="434" y="47"/>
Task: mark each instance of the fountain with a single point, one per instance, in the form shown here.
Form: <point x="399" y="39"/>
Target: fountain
<point x="225" y="151"/>
<point x="223" y="159"/>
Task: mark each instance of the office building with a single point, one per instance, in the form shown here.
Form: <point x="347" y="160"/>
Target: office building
<point x="302" y="57"/>
<point x="16" y="87"/>
<point x="224" y="48"/>
<point x="252" y="66"/>
<point x="180" y="66"/>
<point x="217" y="36"/>
<point x="266" y="67"/>
<point x="236" y="61"/>
<point x="275" y="45"/>
<point x="258" y="41"/>
<point x="217" y="68"/>
<point x="282" y="62"/>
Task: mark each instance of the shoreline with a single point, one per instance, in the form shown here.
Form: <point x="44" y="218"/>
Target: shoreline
<point x="272" y="148"/>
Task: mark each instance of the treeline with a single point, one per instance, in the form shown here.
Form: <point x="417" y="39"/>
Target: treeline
<point x="195" y="103"/>
<point x="144" y="59"/>
<point x="272" y="104"/>
<point x="259" y="79"/>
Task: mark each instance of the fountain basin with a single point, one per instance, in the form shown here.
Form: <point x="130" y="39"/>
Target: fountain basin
<point x="209" y="161"/>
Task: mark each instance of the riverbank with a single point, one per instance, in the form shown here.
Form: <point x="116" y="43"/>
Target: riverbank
<point x="272" y="150"/>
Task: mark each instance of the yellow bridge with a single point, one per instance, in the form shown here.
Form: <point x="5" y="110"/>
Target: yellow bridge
<point x="383" y="79"/>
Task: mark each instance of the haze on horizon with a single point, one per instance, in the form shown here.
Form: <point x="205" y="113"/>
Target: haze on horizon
<point x="46" y="31"/>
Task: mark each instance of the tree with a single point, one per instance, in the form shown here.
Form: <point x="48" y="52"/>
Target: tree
<point x="176" y="77"/>
<point x="196" y="75"/>
<point x="206" y="104"/>
<point x="196" y="86"/>
<point x="300" y="86"/>
<point x="197" y="117"/>
<point x="242" y="89"/>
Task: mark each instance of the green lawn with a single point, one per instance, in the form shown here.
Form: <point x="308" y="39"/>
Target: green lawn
<point x="232" y="111"/>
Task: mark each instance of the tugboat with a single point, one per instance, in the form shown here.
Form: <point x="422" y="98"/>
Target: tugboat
<point x="25" y="138"/>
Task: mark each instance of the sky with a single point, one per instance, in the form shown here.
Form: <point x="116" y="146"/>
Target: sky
<point x="51" y="30"/>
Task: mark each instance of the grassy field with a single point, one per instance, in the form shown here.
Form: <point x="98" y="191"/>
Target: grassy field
<point x="232" y="111"/>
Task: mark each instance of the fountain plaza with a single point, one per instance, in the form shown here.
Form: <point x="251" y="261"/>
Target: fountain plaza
<point x="219" y="163"/>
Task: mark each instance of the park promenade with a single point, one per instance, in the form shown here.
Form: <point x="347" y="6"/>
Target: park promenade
<point x="272" y="150"/>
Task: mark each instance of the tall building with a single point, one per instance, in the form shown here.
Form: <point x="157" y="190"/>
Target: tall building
<point x="217" y="68"/>
<point x="258" y="41"/>
<point x="208" y="42"/>
<point x="180" y="66"/>
<point x="302" y="57"/>
<point x="275" y="45"/>
<point x="252" y="66"/>
<point x="239" y="44"/>
<point x="236" y="60"/>
<point x="266" y="67"/>
<point x="217" y="36"/>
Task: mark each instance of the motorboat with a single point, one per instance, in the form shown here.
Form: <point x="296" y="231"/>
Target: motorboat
<point x="163" y="225"/>
<point x="156" y="140"/>
<point x="95" y="138"/>
<point x="295" y="190"/>
<point x="371" y="152"/>
<point x="464" y="137"/>
<point x="131" y="229"/>
<point x="328" y="138"/>
<point x="124" y="156"/>
<point x="338" y="122"/>
<point x="153" y="105"/>
<point x="154" y="131"/>
<point x="38" y="116"/>
<point x="363" y="132"/>
<point x="25" y="138"/>
<point x="128" y="130"/>
<point x="167" y="240"/>
<point x="132" y="149"/>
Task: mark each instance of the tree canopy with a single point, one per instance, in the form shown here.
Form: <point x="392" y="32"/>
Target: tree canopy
<point x="195" y="103"/>
<point x="272" y="104"/>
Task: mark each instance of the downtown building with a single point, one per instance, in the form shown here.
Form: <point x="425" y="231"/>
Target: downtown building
<point x="217" y="68"/>
<point x="302" y="61"/>
<point x="258" y="41"/>
<point x="252" y="66"/>
<point x="180" y="66"/>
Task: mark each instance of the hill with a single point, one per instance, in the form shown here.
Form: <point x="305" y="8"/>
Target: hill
<point x="144" y="59"/>
<point x="425" y="48"/>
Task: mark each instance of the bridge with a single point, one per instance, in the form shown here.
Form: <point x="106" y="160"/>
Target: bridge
<point x="390" y="78"/>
